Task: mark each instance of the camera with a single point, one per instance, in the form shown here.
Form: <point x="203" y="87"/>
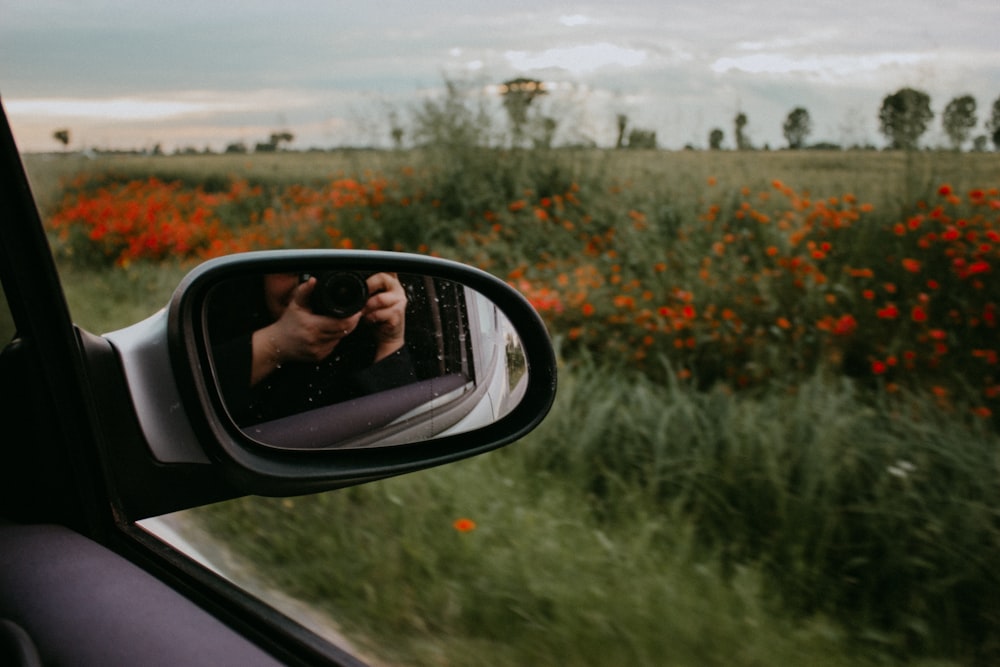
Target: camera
<point x="337" y="294"/>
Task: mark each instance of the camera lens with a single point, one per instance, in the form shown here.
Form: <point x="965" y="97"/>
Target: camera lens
<point x="339" y="294"/>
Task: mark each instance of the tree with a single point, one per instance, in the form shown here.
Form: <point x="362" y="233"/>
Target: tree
<point x="904" y="116"/>
<point x="622" y="124"/>
<point x="715" y="138"/>
<point x="958" y="119"/>
<point x="797" y="127"/>
<point x="397" y="137"/>
<point x="993" y="124"/>
<point x="517" y="96"/>
<point x="742" y="141"/>
<point x="639" y="138"/>
<point x="459" y="119"/>
<point x="62" y="136"/>
<point x="546" y="132"/>
<point x="278" y="138"/>
<point x="396" y="130"/>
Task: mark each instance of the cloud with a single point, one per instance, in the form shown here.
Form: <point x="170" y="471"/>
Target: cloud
<point x="120" y="108"/>
<point x="581" y="59"/>
<point x="161" y="106"/>
<point x="573" y="20"/>
<point x="832" y="66"/>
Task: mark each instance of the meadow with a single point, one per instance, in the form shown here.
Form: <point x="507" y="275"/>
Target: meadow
<point x="775" y="440"/>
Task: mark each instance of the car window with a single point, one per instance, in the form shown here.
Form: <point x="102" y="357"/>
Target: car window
<point x="764" y="239"/>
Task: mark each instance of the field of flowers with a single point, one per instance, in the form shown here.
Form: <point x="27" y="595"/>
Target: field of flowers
<point x="752" y="285"/>
<point x="776" y="433"/>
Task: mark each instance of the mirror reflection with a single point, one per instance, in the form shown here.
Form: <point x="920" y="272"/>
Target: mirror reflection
<point x="318" y="359"/>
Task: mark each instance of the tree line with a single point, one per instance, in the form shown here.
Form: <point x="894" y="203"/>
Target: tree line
<point x="904" y="117"/>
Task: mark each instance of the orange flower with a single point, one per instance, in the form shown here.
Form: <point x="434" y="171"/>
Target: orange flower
<point x="464" y="525"/>
<point x="588" y="309"/>
<point x="624" y="301"/>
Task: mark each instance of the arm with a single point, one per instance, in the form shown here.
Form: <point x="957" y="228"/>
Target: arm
<point x="298" y="335"/>
<point x="386" y="312"/>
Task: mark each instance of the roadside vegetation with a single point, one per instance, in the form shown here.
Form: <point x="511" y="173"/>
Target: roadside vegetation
<point x="775" y="439"/>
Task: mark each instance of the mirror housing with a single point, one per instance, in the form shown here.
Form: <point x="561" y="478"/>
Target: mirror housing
<point x="171" y="373"/>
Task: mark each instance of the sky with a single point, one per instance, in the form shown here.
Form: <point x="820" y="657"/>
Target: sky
<point x="203" y="73"/>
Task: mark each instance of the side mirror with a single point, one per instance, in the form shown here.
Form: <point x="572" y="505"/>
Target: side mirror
<point x="299" y="371"/>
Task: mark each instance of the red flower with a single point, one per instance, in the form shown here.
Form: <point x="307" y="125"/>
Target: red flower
<point x="979" y="266"/>
<point x="918" y="314"/>
<point x="890" y="312"/>
<point x="845" y="325"/>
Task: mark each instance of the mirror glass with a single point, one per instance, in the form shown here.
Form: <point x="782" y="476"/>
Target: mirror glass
<point x="319" y="359"/>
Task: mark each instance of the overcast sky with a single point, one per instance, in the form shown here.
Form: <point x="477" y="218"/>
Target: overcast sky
<point x="205" y="73"/>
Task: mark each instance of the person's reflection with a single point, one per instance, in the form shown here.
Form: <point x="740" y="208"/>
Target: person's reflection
<point x="275" y="355"/>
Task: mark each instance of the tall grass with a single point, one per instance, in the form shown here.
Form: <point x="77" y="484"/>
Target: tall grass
<point x="652" y="525"/>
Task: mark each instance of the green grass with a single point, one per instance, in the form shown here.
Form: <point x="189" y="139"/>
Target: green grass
<point x="656" y="526"/>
